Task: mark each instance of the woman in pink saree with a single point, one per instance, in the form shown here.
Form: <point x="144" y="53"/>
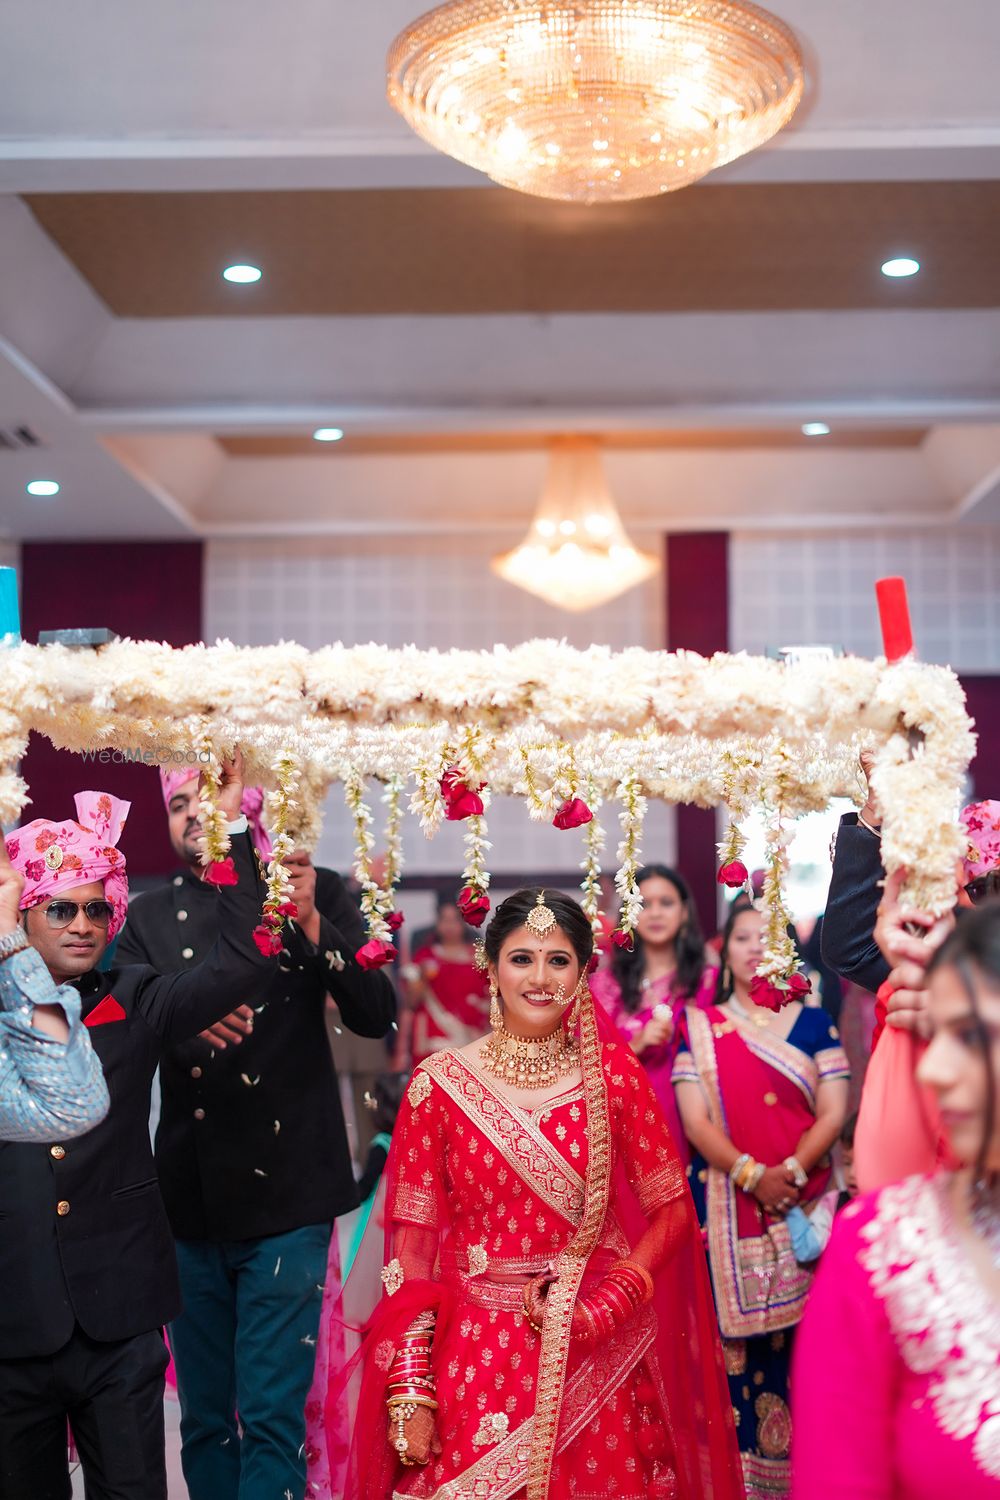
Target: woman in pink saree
<point x="547" y="1327"/>
<point x="899" y="1352"/>
<point x="644" y="990"/>
<point x="763" y="1098"/>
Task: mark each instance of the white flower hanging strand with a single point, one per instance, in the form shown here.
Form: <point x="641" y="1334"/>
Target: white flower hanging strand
<point x="375" y="905"/>
<point x="215" y="840"/>
<point x="278" y="903"/>
<point x="778" y="979"/>
<point x="594" y="843"/>
<point x="631" y="817"/>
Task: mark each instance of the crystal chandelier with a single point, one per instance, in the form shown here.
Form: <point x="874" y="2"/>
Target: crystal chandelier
<point x="576" y="554"/>
<point x="597" y="100"/>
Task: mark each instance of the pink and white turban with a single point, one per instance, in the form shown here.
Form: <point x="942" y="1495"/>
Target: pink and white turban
<point x="252" y="804"/>
<point x="982" y="825"/>
<point x="55" y="857"/>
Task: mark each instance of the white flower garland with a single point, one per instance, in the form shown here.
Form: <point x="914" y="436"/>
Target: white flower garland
<point x="660" y="723"/>
<point x="374" y="902"/>
<point x="215" y="840"/>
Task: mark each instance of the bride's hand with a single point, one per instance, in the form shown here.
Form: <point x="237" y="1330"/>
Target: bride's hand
<point x="421" y="1436"/>
<point x="534" y="1300"/>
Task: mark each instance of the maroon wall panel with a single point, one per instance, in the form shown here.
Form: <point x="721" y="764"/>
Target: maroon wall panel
<point x="697" y="577"/>
<point x="983" y="699"/>
<point x="146" y="590"/>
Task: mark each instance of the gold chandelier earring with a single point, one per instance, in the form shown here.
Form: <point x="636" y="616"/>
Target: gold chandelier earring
<point x="496" y="1014"/>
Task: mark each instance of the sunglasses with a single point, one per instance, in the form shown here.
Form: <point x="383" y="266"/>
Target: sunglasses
<point x="62" y="913"/>
<point x="983" y="887"/>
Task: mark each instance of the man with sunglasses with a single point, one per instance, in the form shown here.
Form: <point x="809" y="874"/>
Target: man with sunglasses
<point x="86" y="1256"/>
<point x="51" y="1082"/>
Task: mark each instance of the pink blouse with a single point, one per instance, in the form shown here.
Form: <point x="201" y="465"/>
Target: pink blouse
<point x="896" y="1385"/>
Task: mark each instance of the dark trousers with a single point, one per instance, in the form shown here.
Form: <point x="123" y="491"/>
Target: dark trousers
<point x="112" y="1395"/>
<point x="246" y="1344"/>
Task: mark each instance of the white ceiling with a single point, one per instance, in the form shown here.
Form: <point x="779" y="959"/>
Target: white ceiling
<point x="123" y="96"/>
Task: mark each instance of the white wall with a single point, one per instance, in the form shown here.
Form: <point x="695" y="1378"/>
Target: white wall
<point x="807" y="587"/>
<point x="434" y="592"/>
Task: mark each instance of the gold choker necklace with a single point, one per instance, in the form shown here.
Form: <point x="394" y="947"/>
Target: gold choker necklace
<point x="529" y="1065"/>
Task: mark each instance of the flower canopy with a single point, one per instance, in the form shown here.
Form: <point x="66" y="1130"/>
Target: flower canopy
<point x="563" y="730"/>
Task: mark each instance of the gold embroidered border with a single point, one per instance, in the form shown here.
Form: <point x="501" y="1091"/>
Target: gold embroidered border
<point x="519" y="1139"/>
<point x="766" y="1477"/>
<point x="661" y="1187"/>
<point x="832" y="1063"/>
<point x="415" y="1206"/>
<point x="570" y="1267"/>
<point x="759" y="1285"/>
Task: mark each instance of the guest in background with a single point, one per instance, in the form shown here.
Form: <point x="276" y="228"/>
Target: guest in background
<point x="253" y="1164"/>
<point x="763" y="1098"/>
<point x="51" y="1081"/>
<point x="447" y="996"/>
<point x="899" y="1351"/>
<point x="644" y="990"/>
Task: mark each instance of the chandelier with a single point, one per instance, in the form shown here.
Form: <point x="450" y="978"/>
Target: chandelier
<point x="597" y="100"/>
<point x="576" y="554"/>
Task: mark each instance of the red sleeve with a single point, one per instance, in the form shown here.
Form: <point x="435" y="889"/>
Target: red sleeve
<point x="845" y="1379"/>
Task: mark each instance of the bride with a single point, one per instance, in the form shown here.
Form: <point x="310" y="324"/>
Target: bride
<point x="546" y="1326"/>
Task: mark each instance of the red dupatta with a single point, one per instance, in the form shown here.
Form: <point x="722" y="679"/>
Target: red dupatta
<point x="762" y="1092"/>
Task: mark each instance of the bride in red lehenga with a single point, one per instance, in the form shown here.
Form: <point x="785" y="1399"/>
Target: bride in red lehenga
<point x="547" y="1327"/>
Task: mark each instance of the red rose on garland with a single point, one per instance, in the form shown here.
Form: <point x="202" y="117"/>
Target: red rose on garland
<point x="573" y="814"/>
<point x="268" y="942"/>
<point x="798" y="986"/>
<point x="461" y="799"/>
<point x="734" y="874"/>
<point x="770" y="995"/>
<point x="288" y="909"/>
<point x="222" y="872"/>
<point x="623" y="940"/>
<point x="394" y="920"/>
<point x="375" y="954"/>
<point x="473" y="904"/>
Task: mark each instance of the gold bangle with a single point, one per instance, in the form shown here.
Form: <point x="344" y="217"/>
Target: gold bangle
<point x="395" y="1402"/>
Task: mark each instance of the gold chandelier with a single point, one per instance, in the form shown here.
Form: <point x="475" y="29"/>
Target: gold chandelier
<point x="576" y="554"/>
<point x="596" y="100"/>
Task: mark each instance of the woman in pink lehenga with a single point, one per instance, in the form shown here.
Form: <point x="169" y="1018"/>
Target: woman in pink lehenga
<point x="897" y="1374"/>
<point x="645" y="989"/>
<point x="547" y="1327"/>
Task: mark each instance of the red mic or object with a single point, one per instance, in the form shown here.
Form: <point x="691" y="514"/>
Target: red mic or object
<point x="894" y="614"/>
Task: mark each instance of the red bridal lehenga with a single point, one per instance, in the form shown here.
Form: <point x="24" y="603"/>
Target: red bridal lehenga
<point x="482" y="1196"/>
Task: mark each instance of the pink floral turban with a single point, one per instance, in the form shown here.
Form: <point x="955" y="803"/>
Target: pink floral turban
<point x="55" y="857"/>
<point x="982" y="824"/>
<point x="252" y="804"/>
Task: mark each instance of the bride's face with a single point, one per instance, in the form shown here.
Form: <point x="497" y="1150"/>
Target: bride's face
<point x="962" y="1063"/>
<point x="536" y="976"/>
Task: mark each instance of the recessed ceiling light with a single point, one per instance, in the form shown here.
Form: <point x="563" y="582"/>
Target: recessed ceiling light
<point x="900" y="265"/>
<point x="328" y="434"/>
<point x="814" y="429"/>
<point x="42" y="487"/>
<point x="243" y="275"/>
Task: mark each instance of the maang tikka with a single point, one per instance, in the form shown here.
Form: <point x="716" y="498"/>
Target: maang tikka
<point x="541" y="918"/>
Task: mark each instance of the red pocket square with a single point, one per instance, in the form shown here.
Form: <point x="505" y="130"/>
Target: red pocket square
<point x="108" y="1010"/>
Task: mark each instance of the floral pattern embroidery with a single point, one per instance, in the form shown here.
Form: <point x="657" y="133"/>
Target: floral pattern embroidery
<point x="392" y="1277"/>
<point x="419" y="1088"/>
<point x="945" y="1324"/>
<point x="478" y="1260"/>
<point x="492" y="1429"/>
